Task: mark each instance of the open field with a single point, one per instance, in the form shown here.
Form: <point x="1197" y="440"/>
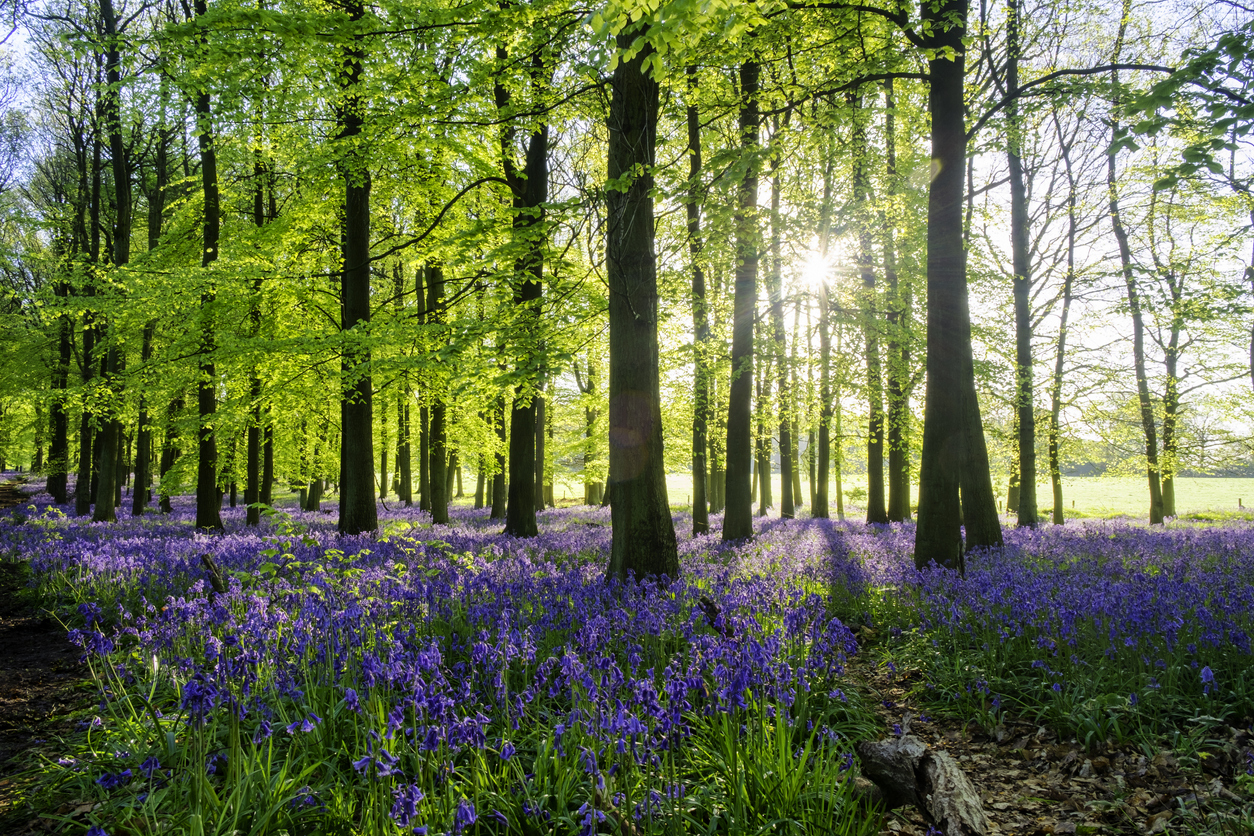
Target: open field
<point x="1092" y="496"/>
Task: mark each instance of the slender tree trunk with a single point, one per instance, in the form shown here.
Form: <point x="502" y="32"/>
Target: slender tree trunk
<point x="481" y="481"/>
<point x="541" y="403"/>
<point x="738" y="519"/>
<point x="899" y="305"/>
<point x="951" y="417"/>
<point x="384" y="453"/>
<point x="110" y="424"/>
<point x="820" y="476"/>
<point x="357" y="505"/>
<point x="170" y="452"/>
<point x="1026" y="507"/>
<point x="439" y="410"/>
<point x="499" y="499"/>
<point x="643" y="534"/>
<point x="424" y="457"/>
<point x="59" y="444"/>
<point x="1134" y="307"/>
<point x="208" y="500"/>
<point x="252" y="468"/>
<point x="700" y="319"/>
<point x="762" y="438"/>
<point x="267" y="462"/>
<point x="787" y="504"/>
<point x="1060" y="355"/>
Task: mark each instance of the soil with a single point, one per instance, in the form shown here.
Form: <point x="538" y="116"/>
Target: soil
<point x="39" y="675"/>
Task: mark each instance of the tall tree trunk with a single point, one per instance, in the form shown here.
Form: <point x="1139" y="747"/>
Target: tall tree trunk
<point x="530" y="191"/>
<point x="383" y="453"/>
<point x="87" y="452"/>
<point x="208" y="501"/>
<point x="643" y="535"/>
<point x="738" y="519"/>
<point x="481" y="481"/>
<point x="700" y="319"/>
<point x="357" y="505"/>
<point x="111" y="425"/>
<point x="899" y="305"/>
<point x="876" y="512"/>
<point x="819" y="479"/>
<point x="59" y="443"/>
<point x="1060" y="355"/>
<point x="951" y="417"/>
<point x="267" y="462"/>
<point x="424" y="455"/>
<point x="541" y="399"/>
<point x="1134" y="304"/>
<point x="439" y="410"/>
<point x="1026" y="508"/>
<point x="403" y="452"/>
<point x="762" y="438"/>
<point x="170" y="452"/>
<point x="787" y="503"/>
<point x="252" y="468"/>
<point x="499" y="499"/>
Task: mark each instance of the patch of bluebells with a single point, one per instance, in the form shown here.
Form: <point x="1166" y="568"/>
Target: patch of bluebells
<point x="448" y="641"/>
<point x="439" y="649"/>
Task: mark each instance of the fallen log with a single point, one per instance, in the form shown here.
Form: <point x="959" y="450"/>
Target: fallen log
<point x="908" y="772"/>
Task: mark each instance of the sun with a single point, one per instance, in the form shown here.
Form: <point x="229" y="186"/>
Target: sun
<point x="816" y="269"/>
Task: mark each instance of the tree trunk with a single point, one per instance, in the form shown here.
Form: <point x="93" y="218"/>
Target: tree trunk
<point x="208" y="500"/>
<point x="498" y="474"/>
<point x="357" y="505"/>
<point x="59" y="444"/>
<point x="1026" y="505"/>
<point x="819" y="478"/>
<point x="169" y="452"/>
<point x="111" y="425"/>
<point x="540" y="438"/>
<point x="424" y="458"/>
<point x="876" y="510"/>
<point x="439" y="410"/>
<point x="267" y="462"/>
<point x="1134" y="307"/>
<point x="899" y="301"/>
<point x="762" y="438"/>
<point x="383" y="453"/>
<point x="951" y="416"/>
<point x="530" y="192"/>
<point x="252" y="468"/>
<point x="787" y="509"/>
<point x="738" y="519"/>
<point x="481" y="481"/>
<point x="643" y="534"/>
<point x="700" y="319"/>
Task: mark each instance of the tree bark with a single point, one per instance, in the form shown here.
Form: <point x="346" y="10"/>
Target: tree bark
<point x="787" y="503"/>
<point x="643" y="535"/>
<point x="951" y="425"/>
<point x="1022" y="264"/>
<point x="876" y="511"/>
<point x="208" y="500"/>
<point x="530" y="191"/>
<point x="700" y="319"/>
<point x="819" y="479"/>
<point x="498" y="474"/>
<point x="358" y="513"/>
<point x="439" y="410"/>
<point x="1134" y="306"/>
<point x="738" y="518"/>
<point x="899" y="306"/>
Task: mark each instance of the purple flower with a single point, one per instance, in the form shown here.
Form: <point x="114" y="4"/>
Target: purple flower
<point x="465" y="816"/>
<point x="1208" y="680"/>
<point x="405" y="803"/>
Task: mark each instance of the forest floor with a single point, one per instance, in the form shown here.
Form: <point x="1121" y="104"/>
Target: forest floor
<point x="42" y="685"/>
<point x="1031" y="782"/>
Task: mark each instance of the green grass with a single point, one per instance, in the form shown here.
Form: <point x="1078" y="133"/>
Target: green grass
<point x="1089" y="496"/>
